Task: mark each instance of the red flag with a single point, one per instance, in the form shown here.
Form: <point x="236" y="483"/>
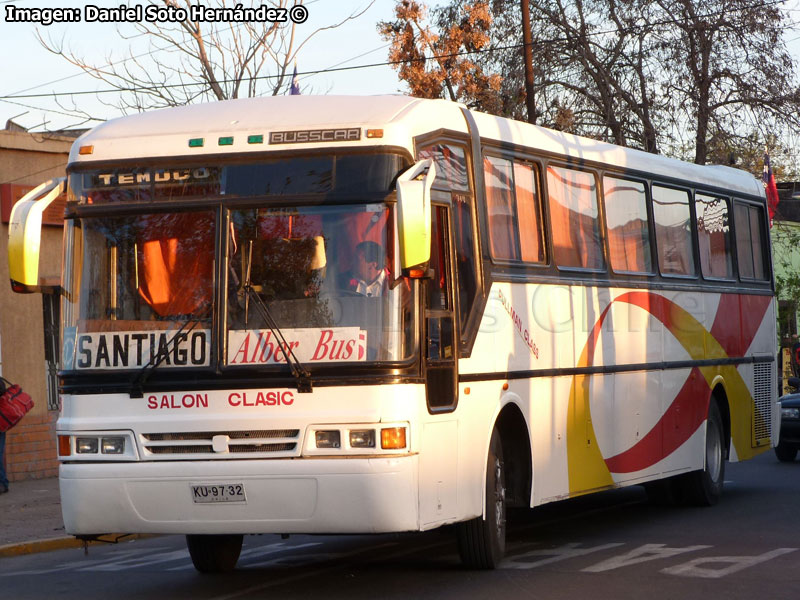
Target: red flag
<point x="769" y="186"/>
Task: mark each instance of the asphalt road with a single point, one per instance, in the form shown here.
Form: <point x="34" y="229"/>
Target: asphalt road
<point x="610" y="545"/>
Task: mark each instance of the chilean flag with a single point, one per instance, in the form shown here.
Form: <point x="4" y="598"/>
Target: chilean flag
<point x="295" y="90"/>
<point x="769" y="185"/>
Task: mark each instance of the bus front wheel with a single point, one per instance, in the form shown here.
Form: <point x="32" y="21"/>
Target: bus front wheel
<point x="214" y="553"/>
<point x="482" y="542"/>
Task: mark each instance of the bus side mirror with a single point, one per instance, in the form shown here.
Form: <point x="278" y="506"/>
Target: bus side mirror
<point x="414" y="213"/>
<point x="25" y="235"/>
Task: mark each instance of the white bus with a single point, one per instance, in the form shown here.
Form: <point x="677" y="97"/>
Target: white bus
<point x="383" y="314"/>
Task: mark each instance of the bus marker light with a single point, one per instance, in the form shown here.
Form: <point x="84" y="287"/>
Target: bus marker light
<point x="362" y="438"/>
<point x="196" y="143"/>
<point x="226" y="141"/>
<point x="64" y="448"/>
<point x="328" y="439"/>
<point x="113" y="445"/>
<point x="374" y="133"/>
<point x="393" y="438"/>
<point x="416" y="273"/>
<point x="255" y="139"/>
<point x="505" y="386"/>
<point x="86" y="445"/>
<point x="466" y="391"/>
<point x="86" y="150"/>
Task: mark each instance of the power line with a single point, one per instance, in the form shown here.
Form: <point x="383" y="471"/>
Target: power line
<point x="139" y="89"/>
<point x="121" y="61"/>
<point x="50" y="110"/>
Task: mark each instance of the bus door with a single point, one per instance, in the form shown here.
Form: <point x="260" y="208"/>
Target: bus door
<point x="441" y="338"/>
<point x="439" y="453"/>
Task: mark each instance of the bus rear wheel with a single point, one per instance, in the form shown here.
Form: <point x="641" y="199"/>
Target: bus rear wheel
<point x="214" y="553"/>
<point x="482" y="542"/>
<point x="704" y="487"/>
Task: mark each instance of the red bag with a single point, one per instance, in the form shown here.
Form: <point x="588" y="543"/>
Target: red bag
<point x="14" y="404"/>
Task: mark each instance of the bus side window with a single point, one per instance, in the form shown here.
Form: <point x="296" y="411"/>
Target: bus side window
<point x="750" y="241"/>
<point x="452" y="181"/>
<point x="574" y="218"/>
<point x="673" y="231"/>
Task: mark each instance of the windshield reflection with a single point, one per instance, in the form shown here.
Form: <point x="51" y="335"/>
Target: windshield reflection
<point x="325" y="274"/>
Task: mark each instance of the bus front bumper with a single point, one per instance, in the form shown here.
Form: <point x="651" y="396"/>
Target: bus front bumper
<point x="326" y="495"/>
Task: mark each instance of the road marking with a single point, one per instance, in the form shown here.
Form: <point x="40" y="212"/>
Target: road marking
<point x="564" y="552"/>
<point x="140" y="561"/>
<point x="737" y="563"/>
<point x="641" y="554"/>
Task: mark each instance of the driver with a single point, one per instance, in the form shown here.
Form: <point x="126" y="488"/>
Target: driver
<point x="368" y="275"/>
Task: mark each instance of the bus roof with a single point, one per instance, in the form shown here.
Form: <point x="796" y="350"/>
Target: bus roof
<point x="164" y="133"/>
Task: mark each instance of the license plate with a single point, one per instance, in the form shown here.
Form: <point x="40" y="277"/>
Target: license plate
<point x="227" y="492"/>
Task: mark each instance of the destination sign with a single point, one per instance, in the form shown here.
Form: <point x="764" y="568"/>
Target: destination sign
<point x="134" y="349"/>
<point x="144" y="177"/>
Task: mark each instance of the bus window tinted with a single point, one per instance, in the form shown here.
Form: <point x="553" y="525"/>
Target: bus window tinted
<point x="714" y="237"/>
<point x="499" y="203"/>
<point x="628" y="225"/>
<point x="749" y="241"/>
<point x="512" y="204"/>
<point x="673" y="231"/>
<point x="530" y="232"/>
<point x="451" y="166"/>
<point x="573" y="211"/>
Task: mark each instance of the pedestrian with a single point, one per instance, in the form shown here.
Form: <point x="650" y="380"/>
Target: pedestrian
<point x="3" y="478"/>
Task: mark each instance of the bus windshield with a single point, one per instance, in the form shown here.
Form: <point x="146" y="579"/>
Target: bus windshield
<point x="324" y="275"/>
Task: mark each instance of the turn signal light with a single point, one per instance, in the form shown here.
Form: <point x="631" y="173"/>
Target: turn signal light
<point x="393" y="438"/>
<point x="83" y="150"/>
<point x="63" y="445"/>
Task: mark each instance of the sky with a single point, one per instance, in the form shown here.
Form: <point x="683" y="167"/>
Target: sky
<point x="28" y="68"/>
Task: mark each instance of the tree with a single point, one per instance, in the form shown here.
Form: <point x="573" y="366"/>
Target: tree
<point x="190" y="61"/>
<point x="438" y="64"/>
<point x="649" y="75"/>
<point x="728" y="60"/>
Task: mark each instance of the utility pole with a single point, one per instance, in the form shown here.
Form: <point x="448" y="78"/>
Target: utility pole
<point x="527" y="40"/>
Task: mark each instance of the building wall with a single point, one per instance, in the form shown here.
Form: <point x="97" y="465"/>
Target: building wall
<point x="29" y="159"/>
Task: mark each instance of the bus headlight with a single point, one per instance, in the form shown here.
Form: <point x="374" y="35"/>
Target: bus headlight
<point x="328" y="439"/>
<point x="113" y="445"/>
<point x="92" y="446"/>
<point x="86" y="445"/>
<point x="362" y="438"/>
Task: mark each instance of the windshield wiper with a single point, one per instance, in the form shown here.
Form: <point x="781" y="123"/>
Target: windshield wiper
<point x="299" y="372"/>
<point x="158" y="357"/>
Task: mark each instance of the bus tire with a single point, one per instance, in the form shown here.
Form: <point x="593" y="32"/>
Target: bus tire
<point x="482" y="542"/>
<point x="214" y="553"/>
<point x="785" y="453"/>
<point x="704" y="487"/>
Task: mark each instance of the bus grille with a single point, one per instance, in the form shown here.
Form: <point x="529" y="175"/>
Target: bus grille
<point x="192" y="444"/>
<point x="763" y="403"/>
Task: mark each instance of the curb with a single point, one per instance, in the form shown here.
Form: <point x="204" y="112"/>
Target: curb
<point x="62" y="543"/>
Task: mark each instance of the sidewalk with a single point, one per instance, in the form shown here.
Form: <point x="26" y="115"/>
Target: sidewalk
<point x="30" y="518"/>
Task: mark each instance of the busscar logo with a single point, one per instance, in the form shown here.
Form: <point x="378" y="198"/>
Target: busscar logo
<point x="304" y="136"/>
